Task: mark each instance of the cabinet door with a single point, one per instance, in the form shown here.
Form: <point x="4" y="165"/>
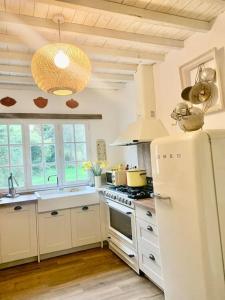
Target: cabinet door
<point x="85" y="225"/>
<point x="18" y="232"/>
<point x="54" y="231"/>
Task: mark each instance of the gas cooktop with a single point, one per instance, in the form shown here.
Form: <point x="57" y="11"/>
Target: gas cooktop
<point x="125" y="194"/>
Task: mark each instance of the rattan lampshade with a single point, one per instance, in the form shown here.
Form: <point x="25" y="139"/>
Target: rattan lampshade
<point x="71" y="75"/>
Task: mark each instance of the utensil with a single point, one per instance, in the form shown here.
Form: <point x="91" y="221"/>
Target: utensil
<point x="192" y="122"/>
<point x="200" y="93"/>
<point x="185" y="93"/>
<point x="207" y="74"/>
<point x="136" y="178"/>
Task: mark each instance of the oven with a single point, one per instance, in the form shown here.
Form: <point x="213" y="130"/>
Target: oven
<point x="122" y="232"/>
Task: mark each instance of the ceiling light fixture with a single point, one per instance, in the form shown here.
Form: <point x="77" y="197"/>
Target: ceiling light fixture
<point x="59" y="68"/>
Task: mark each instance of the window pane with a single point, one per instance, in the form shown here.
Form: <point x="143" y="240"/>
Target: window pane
<point x="35" y="134"/>
<point x="81" y="173"/>
<point x="37" y="175"/>
<point x="81" y="152"/>
<point x="3" y="135"/>
<point x="16" y="155"/>
<point x="15" y="134"/>
<point x="80" y="133"/>
<point x="69" y="153"/>
<point x="50" y="170"/>
<point x="18" y="173"/>
<point x="36" y="154"/>
<point x="48" y="133"/>
<point x="70" y="173"/>
<point x="4" y="174"/>
<point x="68" y="133"/>
<point x="49" y="153"/>
<point x="4" y="155"/>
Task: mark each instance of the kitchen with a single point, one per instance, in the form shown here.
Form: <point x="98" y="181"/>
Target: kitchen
<point x="64" y="227"/>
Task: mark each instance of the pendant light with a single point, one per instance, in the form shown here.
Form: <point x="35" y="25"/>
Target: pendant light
<point x="59" y="68"/>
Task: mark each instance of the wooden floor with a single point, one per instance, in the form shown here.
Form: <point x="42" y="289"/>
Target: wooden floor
<point x="95" y="274"/>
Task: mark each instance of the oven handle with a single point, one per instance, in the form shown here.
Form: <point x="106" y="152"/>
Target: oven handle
<point x="127" y="213"/>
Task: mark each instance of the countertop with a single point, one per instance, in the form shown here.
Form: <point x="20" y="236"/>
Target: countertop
<point x="21" y="198"/>
<point x="148" y="203"/>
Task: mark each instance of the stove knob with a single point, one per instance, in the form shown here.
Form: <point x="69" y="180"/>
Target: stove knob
<point x="130" y="203"/>
<point x="114" y="197"/>
<point x="126" y="201"/>
<point x="122" y="200"/>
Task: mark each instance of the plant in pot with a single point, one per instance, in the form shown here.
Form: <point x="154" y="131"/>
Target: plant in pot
<point x="95" y="168"/>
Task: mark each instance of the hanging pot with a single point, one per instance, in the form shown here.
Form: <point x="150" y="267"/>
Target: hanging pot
<point x="208" y="74"/>
<point x="136" y="178"/>
<point x="185" y="93"/>
<point x="200" y="93"/>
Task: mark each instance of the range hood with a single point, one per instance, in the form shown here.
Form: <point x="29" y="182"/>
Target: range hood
<point x="147" y="127"/>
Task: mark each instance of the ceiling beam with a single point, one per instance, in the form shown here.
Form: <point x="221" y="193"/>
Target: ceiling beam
<point x="137" y="14"/>
<point x="22" y="22"/>
<point x="10" y="57"/>
<point x="27" y="82"/>
<point x="93" y="52"/>
<point x="24" y="71"/>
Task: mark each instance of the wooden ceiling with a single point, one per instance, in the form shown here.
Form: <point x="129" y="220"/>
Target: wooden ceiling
<point x="117" y="35"/>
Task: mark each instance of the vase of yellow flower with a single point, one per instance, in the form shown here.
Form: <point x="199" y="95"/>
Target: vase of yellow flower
<point x="95" y="168"/>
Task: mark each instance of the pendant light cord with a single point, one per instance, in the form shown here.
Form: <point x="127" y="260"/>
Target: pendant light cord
<point x="59" y="31"/>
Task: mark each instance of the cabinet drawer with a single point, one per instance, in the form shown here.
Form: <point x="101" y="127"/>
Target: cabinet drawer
<point x="146" y="215"/>
<point x="147" y="234"/>
<point x="17" y="207"/>
<point x="150" y="263"/>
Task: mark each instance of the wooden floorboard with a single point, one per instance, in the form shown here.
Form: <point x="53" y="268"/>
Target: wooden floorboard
<point x="95" y="274"/>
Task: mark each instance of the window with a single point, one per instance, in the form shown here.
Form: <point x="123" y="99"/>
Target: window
<point x="33" y="151"/>
<point x="11" y="154"/>
<point x="43" y="154"/>
<point x="75" y="152"/>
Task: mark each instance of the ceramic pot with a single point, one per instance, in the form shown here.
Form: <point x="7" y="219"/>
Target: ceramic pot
<point x="40" y="102"/>
<point x="72" y="103"/>
<point x="8" y="101"/>
<point x="98" y="181"/>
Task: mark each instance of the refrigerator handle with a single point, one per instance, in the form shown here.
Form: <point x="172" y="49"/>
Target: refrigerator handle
<point x="160" y="197"/>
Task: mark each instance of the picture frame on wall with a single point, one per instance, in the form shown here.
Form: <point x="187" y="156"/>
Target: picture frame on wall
<point x="188" y="72"/>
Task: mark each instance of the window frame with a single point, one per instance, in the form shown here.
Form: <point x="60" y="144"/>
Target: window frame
<point x="58" y="125"/>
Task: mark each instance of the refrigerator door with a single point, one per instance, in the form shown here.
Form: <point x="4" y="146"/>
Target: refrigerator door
<point x="188" y="222"/>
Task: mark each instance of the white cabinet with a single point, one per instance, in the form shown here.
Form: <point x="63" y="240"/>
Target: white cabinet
<point x="18" y="232"/>
<point x="54" y="231"/>
<point x="85" y="222"/>
<point x="148" y="245"/>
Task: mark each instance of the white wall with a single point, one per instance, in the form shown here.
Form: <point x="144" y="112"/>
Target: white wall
<point x="90" y="101"/>
<point x="167" y="80"/>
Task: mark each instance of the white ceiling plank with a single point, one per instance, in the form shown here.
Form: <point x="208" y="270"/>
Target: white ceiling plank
<point x="98" y="66"/>
<point x="11" y="82"/>
<point x="22" y="22"/>
<point x="93" y="52"/>
<point x="138" y="14"/>
<point x="23" y="71"/>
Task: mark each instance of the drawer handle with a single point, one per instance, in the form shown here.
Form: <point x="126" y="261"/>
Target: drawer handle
<point x="85" y="208"/>
<point x="54" y="213"/>
<point x="152" y="257"/>
<point x="131" y="255"/>
<point x="150" y="228"/>
<point x="149" y="214"/>
<point x="18" y="207"/>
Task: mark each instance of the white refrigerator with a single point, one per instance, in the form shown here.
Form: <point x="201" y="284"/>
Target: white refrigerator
<point x="189" y="186"/>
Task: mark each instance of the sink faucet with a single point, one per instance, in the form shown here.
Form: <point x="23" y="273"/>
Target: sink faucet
<point x="57" y="178"/>
<point x="12" y="190"/>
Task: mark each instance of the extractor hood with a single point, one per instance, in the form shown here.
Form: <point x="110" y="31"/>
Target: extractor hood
<point x="147" y="127"/>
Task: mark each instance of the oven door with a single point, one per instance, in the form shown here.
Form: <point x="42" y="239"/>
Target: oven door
<point x="109" y="177"/>
<point x="121" y="223"/>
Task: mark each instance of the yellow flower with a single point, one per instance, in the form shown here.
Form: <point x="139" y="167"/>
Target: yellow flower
<point x="103" y="164"/>
<point x="87" y="165"/>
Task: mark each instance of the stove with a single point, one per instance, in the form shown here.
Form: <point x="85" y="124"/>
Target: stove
<point x="125" y="195"/>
